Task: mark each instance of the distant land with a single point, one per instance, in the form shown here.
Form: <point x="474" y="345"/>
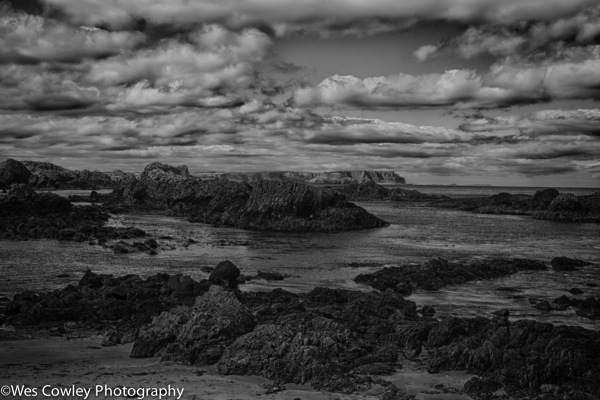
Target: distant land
<point x="45" y="175"/>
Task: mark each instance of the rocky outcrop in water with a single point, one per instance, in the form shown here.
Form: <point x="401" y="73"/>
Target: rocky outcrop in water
<point x="267" y="205"/>
<point x="547" y="204"/>
<point x="45" y="175"/>
<point x="26" y="214"/>
<point x="438" y="273"/>
<point x="13" y="172"/>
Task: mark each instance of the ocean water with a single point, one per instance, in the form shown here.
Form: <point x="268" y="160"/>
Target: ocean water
<point x="416" y="234"/>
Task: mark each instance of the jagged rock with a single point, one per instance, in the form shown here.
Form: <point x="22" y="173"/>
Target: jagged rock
<point x="543" y="306"/>
<point x="13" y="172"/>
<point x="45" y="175"/>
<point x="122" y="247"/>
<point x="225" y="274"/>
<point x="267" y="205"/>
<point x="575" y="291"/>
<point x="196" y="334"/>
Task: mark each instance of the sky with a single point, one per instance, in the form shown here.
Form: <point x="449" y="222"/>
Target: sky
<point x="500" y="92"/>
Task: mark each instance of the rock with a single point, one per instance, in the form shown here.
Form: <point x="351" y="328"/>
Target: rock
<point x="575" y="291"/>
<point x="269" y="276"/>
<point x="589" y="308"/>
<point x="428" y="311"/>
<point x="63" y="276"/>
<point x="153" y="244"/>
<point x="195" y="335"/>
<point x="567" y="264"/>
<point x="225" y="274"/>
<point x="482" y="388"/>
<point x="45" y="175"/>
<point x="13" y="172"/>
<point x="543" y="198"/>
<point x="267" y="205"/>
<point x="543" y="306"/>
<point x="437" y="273"/>
<point x="366" y="191"/>
<point x="122" y="247"/>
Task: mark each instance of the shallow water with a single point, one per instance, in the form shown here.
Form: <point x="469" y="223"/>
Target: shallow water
<point x="313" y="259"/>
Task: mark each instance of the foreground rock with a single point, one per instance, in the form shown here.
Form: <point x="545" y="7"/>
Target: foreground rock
<point x="437" y="273"/>
<point x="267" y="205"/>
<point x="103" y="302"/>
<point x="332" y="339"/>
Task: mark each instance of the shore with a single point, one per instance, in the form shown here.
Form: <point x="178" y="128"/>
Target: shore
<point x="79" y="360"/>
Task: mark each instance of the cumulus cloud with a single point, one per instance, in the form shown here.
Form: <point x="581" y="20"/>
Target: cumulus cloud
<point x="29" y="39"/>
<point x="504" y="84"/>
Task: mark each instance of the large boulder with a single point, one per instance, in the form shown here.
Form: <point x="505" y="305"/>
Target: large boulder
<point x="13" y="172"/>
<point x="225" y="274"/>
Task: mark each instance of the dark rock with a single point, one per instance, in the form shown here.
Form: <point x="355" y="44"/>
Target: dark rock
<point x="567" y="264"/>
<point x="153" y="244"/>
<point x="575" y="291"/>
<point x="428" y="311"/>
<point x="225" y="274"/>
<point x="437" y="273"/>
<point x="266" y="205"/>
<point x="366" y="191"/>
<point x="122" y="247"/>
<point x="543" y="306"/>
<point x="482" y="388"/>
<point x="589" y="308"/>
<point x="13" y="172"/>
<point x="195" y="335"/>
<point x="63" y="276"/>
<point x="269" y="276"/>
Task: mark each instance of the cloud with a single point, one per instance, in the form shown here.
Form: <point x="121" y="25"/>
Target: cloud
<point x="29" y="39"/>
<point x="425" y="52"/>
<point x="506" y="83"/>
<point x="522" y="37"/>
<point x="120" y="14"/>
<point x="549" y="122"/>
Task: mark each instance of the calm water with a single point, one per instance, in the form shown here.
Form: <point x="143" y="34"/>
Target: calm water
<point x="416" y="234"/>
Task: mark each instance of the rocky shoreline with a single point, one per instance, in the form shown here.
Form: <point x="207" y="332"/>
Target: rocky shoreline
<point x="333" y="339"/>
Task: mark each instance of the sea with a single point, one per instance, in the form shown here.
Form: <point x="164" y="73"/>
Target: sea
<point x="308" y="259"/>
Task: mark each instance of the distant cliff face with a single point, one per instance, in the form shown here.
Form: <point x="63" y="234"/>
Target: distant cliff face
<point x="265" y="205"/>
<point x="334" y="177"/>
<point x="45" y="175"/>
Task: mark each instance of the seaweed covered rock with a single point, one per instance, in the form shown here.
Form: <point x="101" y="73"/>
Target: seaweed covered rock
<point x="567" y="264"/>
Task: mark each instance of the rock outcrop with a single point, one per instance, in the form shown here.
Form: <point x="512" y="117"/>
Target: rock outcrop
<point x="547" y="204"/>
<point x="437" y="273"/>
<point x="45" y="175"/>
<point x="26" y="214"/>
<point x="266" y="205"/>
<point x="13" y="172"/>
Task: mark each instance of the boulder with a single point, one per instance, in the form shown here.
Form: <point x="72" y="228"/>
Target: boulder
<point x="225" y="274"/>
<point x="13" y="172"/>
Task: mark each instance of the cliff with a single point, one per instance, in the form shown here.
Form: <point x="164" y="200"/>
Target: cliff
<point x="265" y="205"/>
<point x="332" y="177"/>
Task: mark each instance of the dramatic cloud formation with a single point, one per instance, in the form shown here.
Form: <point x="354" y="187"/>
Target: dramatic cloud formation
<point x="120" y="14"/>
<point x="117" y="84"/>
